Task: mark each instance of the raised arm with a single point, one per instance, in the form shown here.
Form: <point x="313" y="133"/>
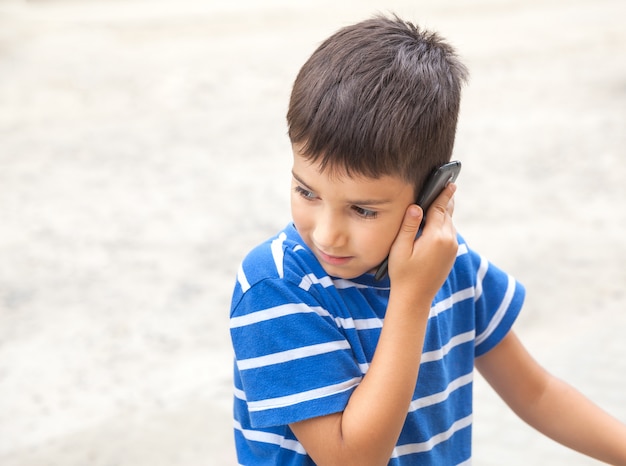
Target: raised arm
<point x="366" y="432"/>
<point x="550" y="405"/>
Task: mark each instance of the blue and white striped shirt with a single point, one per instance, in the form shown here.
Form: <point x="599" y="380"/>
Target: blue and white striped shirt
<point x="303" y="341"/>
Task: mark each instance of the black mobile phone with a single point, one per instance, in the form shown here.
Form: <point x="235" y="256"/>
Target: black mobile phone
<point x="435" y="183"/>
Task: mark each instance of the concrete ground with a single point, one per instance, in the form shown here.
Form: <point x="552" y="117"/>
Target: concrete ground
<point x="143" y="151"/>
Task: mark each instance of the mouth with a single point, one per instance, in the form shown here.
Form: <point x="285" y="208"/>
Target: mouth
<point x="333" y="260"/>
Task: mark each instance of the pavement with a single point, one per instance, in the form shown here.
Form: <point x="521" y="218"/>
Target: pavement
<point x="143" y="152"/>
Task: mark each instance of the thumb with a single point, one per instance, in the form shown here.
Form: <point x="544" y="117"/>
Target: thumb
<point x="411" y="223"/>
<point x="402" y="247"/>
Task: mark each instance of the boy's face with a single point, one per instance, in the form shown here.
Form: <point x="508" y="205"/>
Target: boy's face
<point x="348" y="222"/>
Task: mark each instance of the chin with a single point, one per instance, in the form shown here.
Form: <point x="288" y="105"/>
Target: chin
<point x="345" y="274"/>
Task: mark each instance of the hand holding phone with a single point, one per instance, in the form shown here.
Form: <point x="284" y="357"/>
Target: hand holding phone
<point x="436" y="182"/>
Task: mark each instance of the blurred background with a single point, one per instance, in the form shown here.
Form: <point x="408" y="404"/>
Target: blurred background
<point x="143" y="151"/>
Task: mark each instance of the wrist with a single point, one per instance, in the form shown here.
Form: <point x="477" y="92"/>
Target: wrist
<point x="410" y="300"/>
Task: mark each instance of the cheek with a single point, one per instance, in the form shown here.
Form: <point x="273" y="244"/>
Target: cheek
<point x="386" y="233"/>
<point x="390" y="235"/>
<point x="299" y="214"/>
<point x="376" y="242"/>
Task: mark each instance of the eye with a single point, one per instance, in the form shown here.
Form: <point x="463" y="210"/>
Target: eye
<point x="306" y="194"/>
<point x="365" y="213"/>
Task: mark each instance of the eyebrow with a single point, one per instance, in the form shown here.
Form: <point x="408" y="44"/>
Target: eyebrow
<point x="368" y="202"/>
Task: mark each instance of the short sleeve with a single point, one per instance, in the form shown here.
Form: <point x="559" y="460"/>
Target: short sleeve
<point x="292" y="359"/>
<point x="498" y="302"/>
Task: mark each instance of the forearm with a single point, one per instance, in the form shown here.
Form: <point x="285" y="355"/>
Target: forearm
<point x="377" y="410"/>
<point x="550" y="405"/>
<point x="366" y="432"/>
<point x="565" y="415"/>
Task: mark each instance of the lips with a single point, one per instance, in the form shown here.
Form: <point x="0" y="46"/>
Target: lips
<point x="333" y="260"/>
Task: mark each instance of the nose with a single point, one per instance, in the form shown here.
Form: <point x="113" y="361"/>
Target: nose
<point x="329" y="232"/>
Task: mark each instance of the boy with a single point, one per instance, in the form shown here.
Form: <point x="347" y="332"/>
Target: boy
<point x="335" y="367"/>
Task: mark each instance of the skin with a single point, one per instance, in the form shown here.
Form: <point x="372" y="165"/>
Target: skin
<point x="351" y="224"/>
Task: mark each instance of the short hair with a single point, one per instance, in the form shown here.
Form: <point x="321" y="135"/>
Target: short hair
<point x="380" y="97"/>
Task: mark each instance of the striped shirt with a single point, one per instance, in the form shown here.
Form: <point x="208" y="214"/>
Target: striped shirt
<point x="304" y="340"/>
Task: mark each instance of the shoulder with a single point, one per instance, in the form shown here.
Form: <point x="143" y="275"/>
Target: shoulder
<point x="485" y="272"/>
<point x="283" y="258"/>
<point x="472" y="265"/>
<point x="474" y="276"/>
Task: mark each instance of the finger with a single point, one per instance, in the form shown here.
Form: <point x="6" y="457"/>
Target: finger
<point x="443" y="204"/>
<point x="450" y="207"/>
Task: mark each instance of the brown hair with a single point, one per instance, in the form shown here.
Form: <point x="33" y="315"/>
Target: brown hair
<point x="380" y="97"/>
